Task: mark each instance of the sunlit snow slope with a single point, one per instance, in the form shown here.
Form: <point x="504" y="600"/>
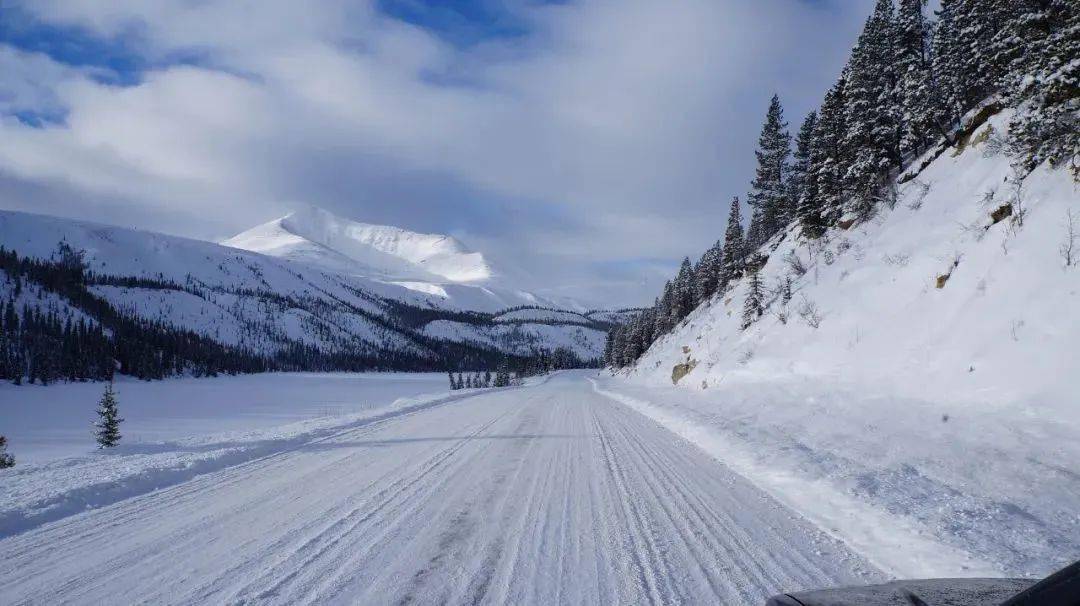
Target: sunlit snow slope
<point x="314" y="235"/>
<point x="925" y="366"/>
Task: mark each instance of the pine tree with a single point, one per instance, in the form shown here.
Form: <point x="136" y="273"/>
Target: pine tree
<point x="6" y="459"/>
<point x="1043" y="80"/>
<point x="916" y="86"/>
<point x="803" y="183"/>
<point x="682" y="292"/>
<point x="707" y="273"/>
<point x="108" y="425"/>
<point x="769" y="198"/>
<point x="872" y="113"/>
<point x="951" y="78"/>
<point x="453" y="383"/>
<point x="753" y="305"/>
<point x="487" y="378"/>
<point x="734" y="245"/>
<point x="830" y="156"/>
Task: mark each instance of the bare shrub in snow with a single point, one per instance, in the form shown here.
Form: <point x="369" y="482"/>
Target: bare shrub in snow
<point x="809" y="312"/>
<point x="828" y="256"/>
<point x="1068" y="245"/>
<point x="843" y="246"/>
<point x="1018" y="198"/>
<point x="897" y="260"/>
<point x="976" y="230"/>
<point x="988" y="197"/>
<point x="995" y="144"/>
<point x="1014" y="330"/>
<point x="746" y="355"/>
<point x="889" y="195"/>
<point x="918" y="190"/>
<point x="781" y="315"/>
<point x="795" y="264"/>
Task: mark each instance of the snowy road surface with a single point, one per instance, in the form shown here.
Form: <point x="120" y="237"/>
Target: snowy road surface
<point x="548" y="494"/>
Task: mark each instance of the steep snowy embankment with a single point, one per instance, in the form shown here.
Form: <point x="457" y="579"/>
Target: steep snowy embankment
<point x="925" y="367"/>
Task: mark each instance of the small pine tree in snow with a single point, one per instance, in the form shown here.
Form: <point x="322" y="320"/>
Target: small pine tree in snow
<point x="6" y="459"/>
<point x="453" y="383"/>
<point x="734" y="245"/>
<point x="108" y="425"/>
<point x="753" y="306"/>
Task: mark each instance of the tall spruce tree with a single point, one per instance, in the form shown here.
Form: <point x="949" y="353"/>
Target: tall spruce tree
<point x="803" y="183"/>
<point x="830" y="156"/>
<point x="708" y="272"/>
<point x="770" y="199"/>
<point x="948" y="56"/>
<point x="735" y="248"/>
<point x="1042" y="81"/>
<point x="872" y="113"/>
<point x="683" y="292"/>
<point x="107" y="428"/>
<point x="916" y="84"/>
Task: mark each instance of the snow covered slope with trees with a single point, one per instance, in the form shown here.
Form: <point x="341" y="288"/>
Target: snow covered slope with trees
<point x="896" y="332"/>
<point x="75" y="296"/>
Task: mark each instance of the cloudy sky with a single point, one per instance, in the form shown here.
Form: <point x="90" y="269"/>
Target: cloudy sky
<point x="590" y="145"/>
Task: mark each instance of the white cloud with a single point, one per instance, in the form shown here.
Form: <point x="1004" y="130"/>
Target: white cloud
<point x="612" y="130"/>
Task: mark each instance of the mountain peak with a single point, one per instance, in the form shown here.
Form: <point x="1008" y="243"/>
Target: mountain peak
<point x="315" y="235"/>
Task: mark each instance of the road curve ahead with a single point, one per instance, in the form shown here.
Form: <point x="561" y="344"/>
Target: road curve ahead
<point x="551" y="494"/>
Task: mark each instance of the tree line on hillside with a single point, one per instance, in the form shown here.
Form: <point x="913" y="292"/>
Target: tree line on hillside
<point x="53" y="327"/>
<point x="908" y="84"/>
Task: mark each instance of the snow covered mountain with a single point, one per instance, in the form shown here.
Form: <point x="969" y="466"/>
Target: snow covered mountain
<point x="309" y="303"/>
<point x="316" y="236"/>
<point x="438" y="267"/>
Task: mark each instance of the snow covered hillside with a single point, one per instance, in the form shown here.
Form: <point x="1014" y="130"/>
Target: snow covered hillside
<point x="436" y="266"/>
<point x="271" y="306"/>
<point x="922" y="363"/>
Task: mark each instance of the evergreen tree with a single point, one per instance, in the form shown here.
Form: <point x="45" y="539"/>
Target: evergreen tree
<point x="769" y="198"/>
<point x="916" y="85"/>
<point x="753" y="305"/>
<point x="872" y="113"/>
<point x="734" y="245"/>
<point x="6" y="459"/>
<point x="487" y="378"/>
<point x="707" y="273"/>
<point x="1043" y="81"/>
<point x="803" y="183"/>
<point x="950" y="76"/>
<point x="453" y="383"/>
<point x="682" y="292"/>
<point x="830" y="157"/>
<point x="108" y="425"/>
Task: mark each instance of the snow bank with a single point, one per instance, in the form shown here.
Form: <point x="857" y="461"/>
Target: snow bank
<point x="940" y="387"/>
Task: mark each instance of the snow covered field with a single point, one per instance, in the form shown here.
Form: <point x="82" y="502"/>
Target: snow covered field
<point x="46" y="423"/>
<point x="546" y="494"/>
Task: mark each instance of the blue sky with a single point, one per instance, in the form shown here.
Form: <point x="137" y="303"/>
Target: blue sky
<point x="587" y="144"/>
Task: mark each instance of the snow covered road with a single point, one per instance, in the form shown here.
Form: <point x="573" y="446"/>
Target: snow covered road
<point x="542" y="495"/>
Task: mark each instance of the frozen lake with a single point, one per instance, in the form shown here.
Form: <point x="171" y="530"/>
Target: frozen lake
<point x="51" y="422"/>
